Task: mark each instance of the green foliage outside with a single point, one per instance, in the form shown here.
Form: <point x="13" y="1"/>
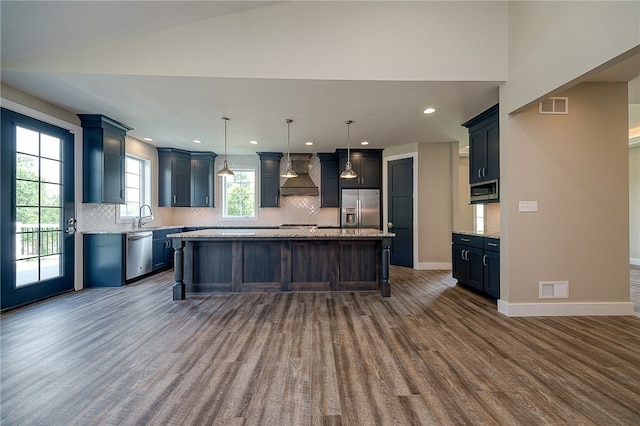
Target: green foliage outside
<point x="240" y="195"/>
<point x="30" y="193"/>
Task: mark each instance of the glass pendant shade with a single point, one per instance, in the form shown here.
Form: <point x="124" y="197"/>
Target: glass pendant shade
<point x="348" y="172"/>
<point x="289" y="173"/>
<point x="225" y="171"/>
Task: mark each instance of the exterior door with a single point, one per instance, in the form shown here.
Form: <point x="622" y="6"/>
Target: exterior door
<point x="37" y="218"/>
<point x="400" y="210"/>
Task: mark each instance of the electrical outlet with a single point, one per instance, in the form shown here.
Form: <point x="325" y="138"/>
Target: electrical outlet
<point x="528" y="206"/>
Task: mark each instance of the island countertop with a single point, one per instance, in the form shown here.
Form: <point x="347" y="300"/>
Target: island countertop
<point x="304" y="233"/>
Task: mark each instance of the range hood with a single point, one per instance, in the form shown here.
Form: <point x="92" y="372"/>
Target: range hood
<point x="301" y="185"/>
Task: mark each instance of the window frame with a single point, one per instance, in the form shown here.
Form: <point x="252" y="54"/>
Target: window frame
<point x="145" y="189"/>
<point x="223" y="196"/>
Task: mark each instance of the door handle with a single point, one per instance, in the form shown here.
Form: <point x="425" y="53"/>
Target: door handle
<point x="389" y="225"/>
<point x="484" y="260"/>
<point x="71" y="226"/>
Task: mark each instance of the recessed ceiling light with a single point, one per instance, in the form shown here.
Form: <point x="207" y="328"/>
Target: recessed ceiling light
<point x="309" y="143"/>
<point x="429" y="110"/>
<point x="364" y="143"/>
<point x="253" y="142"/>
<point x="148" y="139"/>
<point x="197" y="141"/>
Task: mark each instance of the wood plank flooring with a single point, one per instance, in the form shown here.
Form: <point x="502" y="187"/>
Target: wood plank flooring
<point x="433" y="353"/>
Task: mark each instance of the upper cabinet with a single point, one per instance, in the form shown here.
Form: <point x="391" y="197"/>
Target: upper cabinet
<point x="202" y="179"/>
<point x="484" y="146"/>
<point x="329" y="180"/>
<point x="103" y="159"/>
<point x="367" y="163"/>
<point x="269" y="179"/>
<point x="174" y="177"/>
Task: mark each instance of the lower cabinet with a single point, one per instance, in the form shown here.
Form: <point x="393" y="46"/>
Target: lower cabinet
<point x="104" y="260"/>
<point x="162" y="248"/>
<point x="476" y="262"/>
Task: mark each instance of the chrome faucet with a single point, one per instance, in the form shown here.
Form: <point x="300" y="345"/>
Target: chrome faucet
<point x="149" y="216"/>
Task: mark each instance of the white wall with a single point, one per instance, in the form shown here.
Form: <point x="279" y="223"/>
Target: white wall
<point x="553" y="43"/>
<point x="576" y="167"/>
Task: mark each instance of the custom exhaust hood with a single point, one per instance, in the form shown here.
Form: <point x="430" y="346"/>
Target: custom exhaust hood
<point x="301" y="185"/>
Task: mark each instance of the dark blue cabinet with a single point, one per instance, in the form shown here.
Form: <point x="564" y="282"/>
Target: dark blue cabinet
<point x="104" y="260"/>
<point x="269" y="179"/>
<point x="329" y="180"/>
<point x="476" y="262"/>
<point x="162" y="249"/>
<point x="484" y="146"/>
<point x="202" y="190"/>
<point x="174" y="177"/>
<point x="103" y="159"/>
<point x="367" y="163"/>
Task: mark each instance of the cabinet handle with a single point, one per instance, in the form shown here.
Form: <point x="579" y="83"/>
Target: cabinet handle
<point x="465" y="239"/>
<point x="479" y="173"/>
<point x="484" y="172"/>
<point x="484" y="260"/>
<point x="206" y="199"/>
<point x="174" y="199"/>
<point x="492" y="244"/>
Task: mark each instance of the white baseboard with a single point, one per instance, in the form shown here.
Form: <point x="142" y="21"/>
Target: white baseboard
<point x="564" y="309"/>
<point x="634" y="261"/>
<point x="433" y="265"/>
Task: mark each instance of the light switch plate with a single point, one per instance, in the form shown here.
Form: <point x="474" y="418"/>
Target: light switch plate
<point x="528" y="206"/>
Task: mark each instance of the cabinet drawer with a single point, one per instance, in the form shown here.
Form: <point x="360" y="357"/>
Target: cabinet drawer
<point x="468" y="240"/>
<point x="492" y="244"/>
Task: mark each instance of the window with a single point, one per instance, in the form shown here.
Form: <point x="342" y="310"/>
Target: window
<point x="239" y="194"/>
<point x="479" y="218"/>
<point x="136" y="184"/>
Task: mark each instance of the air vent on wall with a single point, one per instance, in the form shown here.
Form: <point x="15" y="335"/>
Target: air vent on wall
<point x="554" y="105"/>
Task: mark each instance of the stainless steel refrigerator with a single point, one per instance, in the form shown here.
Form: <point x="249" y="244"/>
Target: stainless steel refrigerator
<point x="360" y="208"/>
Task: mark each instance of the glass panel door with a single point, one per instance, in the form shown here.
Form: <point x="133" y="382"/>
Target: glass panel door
<point x="37" y="182"/>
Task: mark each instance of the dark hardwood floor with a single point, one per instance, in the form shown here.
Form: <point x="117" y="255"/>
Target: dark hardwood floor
<point x="433" y="353"/>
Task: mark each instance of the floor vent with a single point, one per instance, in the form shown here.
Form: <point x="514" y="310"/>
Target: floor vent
<point x="554" y="105"/>
<point x="554" y="289"/>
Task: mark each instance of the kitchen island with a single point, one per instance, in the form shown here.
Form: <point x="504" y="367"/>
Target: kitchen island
<point x="281" y="260"/>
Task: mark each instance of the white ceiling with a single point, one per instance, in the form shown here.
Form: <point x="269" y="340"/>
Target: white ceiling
<point x="175" y="109"/>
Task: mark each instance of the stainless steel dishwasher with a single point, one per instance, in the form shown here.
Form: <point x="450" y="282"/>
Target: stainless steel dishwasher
<point x="139" y="254"/>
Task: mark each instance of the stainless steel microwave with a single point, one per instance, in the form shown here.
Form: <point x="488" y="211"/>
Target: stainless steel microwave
<point x="485" y="192"/>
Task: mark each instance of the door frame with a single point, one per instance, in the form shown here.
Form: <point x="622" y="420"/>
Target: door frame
<point x="76" y="130"/>
<point x="385" y="190"/>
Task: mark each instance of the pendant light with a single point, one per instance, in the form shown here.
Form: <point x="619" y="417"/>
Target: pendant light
<point x="224" y="171"/>
<point x="348" y="172"/>
<point x="289" y="173"/>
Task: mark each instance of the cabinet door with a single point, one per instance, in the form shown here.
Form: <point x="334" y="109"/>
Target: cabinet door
<point x="476" y="269"/>
<point x="370" y="172"/>
<point x="181" y="181"/>
<point x="477" y="155"/>
<point x="460" y="266"/>
<point x="201" y="182"/>
<point x="491" y="261"/>
<point x="159" y="257"/>
<point x="113" y="172"/>
<point x="269" y="182"/>
<point x="492" y="162"/>
<point x="329" y="184"/>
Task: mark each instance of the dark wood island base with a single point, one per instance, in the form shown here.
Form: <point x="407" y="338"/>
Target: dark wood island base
<point x="209" y="261"/>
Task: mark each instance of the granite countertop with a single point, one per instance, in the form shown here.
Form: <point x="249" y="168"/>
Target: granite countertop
<point x="130" y="230"/>
<point x="312" y="233"/>
<point x="479" y="234"/>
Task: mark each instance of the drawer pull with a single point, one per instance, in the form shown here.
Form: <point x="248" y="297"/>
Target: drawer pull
<point x="466" y="240"/>
<point x="492" y="244"/>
